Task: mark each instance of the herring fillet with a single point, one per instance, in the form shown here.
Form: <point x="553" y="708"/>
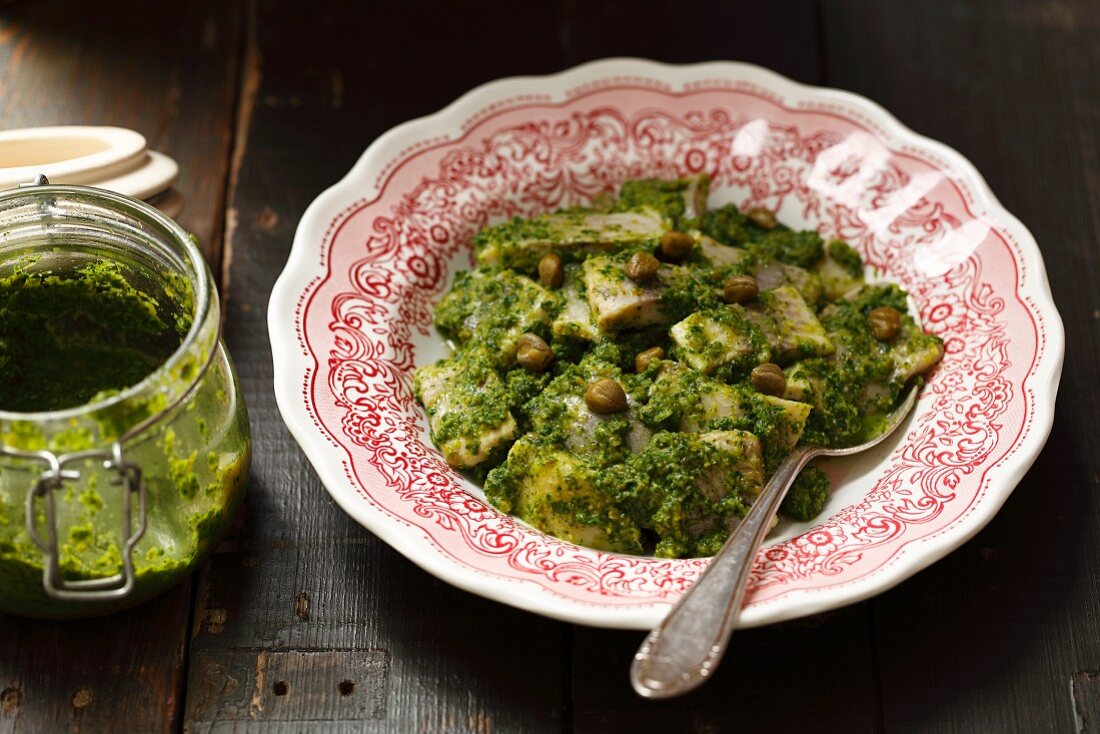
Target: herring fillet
<point x="521" y="243"/>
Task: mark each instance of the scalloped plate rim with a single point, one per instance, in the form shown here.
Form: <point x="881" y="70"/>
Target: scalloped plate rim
<point x="414" y="543"/>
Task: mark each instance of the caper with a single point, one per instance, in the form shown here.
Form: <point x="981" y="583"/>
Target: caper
<point x="762" y="217"/>
<point x="642" y="267"/>
<point x="534" y="354"/>
<point x="885" y="323"/>
<point x="676" y="245"/>
<point x="768" y="379"/>
<point x="605" y="396"/>
<point x="551" y="272"/>
<point x="740" y="289"/>
<point x="644" y="359"/>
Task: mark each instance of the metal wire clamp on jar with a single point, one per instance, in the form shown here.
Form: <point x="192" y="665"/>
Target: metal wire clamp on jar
<point x="107" y="503"/>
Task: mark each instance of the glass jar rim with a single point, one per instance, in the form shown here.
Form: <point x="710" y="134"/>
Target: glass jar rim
<point x="205" y="297"/>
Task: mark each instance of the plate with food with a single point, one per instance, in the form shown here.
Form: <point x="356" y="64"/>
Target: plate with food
<point x="550" y="342"/>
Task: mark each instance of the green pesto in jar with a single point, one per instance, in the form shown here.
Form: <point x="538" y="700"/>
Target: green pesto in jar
<point x="76" y="337"/>
<point x="66" y="338"/>
<point x="673" y="469"/>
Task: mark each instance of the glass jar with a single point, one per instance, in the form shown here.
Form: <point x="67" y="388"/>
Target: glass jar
<point x="108" y="503"/>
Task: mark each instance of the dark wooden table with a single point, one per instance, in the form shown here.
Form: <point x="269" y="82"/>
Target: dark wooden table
<point x="304" y="621"/>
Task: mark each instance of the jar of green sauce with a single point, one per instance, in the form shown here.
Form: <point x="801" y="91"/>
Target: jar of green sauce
<point x="124" y="438"/>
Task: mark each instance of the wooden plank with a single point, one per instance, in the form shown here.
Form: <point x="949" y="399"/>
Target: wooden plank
<point x="313" y="688"/>
<point x="170" y="73"/>
<point x="1086" y="699"/>
<point x="301" y="581"/>
<point x="92" y="675"/>
<point x="996" y="636"/>
<point x="811" y="674"/>
<point x="781" y="34"/>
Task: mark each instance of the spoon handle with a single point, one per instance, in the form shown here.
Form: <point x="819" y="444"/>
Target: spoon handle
<point x="684" y="649"/>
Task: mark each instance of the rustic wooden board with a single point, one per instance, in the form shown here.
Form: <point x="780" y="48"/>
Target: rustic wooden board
<point x="810" y="674"/>
<point x="782" y="35"/>
<point x="306" y="622"/>
<point x="302" y="599"/>
<point x="93" y="675"/>
<point x="169" y="72"/>
<point x="1004" y="634"/>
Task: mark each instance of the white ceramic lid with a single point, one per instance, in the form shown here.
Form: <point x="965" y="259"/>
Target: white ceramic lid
<point x="68" y="154"/>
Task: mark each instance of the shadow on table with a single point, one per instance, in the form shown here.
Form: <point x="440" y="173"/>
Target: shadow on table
<point x="979" y="640"/>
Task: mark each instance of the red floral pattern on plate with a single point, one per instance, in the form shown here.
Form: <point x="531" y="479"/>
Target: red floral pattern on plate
<point x="367" y="322"/>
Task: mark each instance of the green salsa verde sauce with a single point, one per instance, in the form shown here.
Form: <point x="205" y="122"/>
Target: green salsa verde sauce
<point x="66" y="338"/>
<point x="673" y="470"/>
<point x="79" y="336"/>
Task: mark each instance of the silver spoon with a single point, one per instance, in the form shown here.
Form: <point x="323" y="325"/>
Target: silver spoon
<point x="681" y="652"/>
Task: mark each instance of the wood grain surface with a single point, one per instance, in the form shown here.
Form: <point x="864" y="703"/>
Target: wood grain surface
<point x="304" y="621"/>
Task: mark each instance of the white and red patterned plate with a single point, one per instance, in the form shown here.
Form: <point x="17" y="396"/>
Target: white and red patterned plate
<point x="352" y="315"/>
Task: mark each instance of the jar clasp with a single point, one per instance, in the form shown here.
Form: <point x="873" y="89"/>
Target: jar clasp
<point x="53" y="478"/>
